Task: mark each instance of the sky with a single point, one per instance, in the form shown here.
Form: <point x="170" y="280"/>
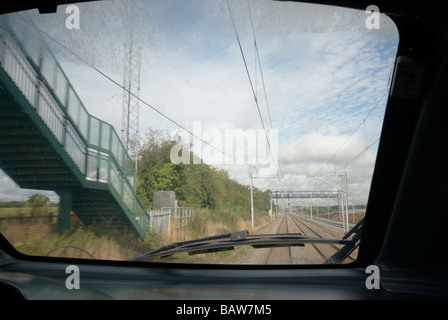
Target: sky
<point x="322" y="95"/>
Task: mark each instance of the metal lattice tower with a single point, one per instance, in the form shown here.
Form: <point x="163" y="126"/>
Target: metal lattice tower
<point x="131" y="81"/>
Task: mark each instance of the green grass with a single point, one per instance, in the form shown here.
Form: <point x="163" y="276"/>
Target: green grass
<point x="39" y="236"/>
<point x="26" y="211"/>
<point x="13" y="212"/>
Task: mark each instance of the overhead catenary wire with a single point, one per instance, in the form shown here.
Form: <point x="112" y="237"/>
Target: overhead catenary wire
<point x="252" y="88"/>
<point x="363" y="121"/>
<point x="138" y="98"/>
<point x="259" y="65"/>
<point x="354" y="131"/>
<point x="359" y="125"/>
<point x="257" y="58"/>
<point x="348" y="163"/>
<point x="249" y="77"/>
<point x="182" y="127"/>
<point x="161" y="113"/>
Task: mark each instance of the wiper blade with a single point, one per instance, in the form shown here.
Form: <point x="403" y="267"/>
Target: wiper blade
<point x="343" y="253"/>
<point x="230" y="240"/>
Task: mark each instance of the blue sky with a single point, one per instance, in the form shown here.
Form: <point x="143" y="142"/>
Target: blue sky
<point x="323" y="73"/>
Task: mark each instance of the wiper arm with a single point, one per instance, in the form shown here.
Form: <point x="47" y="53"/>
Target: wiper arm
<point x="230" y="240"/>
<point x="343" y="253"/>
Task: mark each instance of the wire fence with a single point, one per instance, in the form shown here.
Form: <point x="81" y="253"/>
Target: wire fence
<point x="160" y="220"/>
<point x="181" y="216"/>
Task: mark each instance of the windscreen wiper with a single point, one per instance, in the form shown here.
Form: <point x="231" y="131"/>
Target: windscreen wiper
<point x="228" y="241"/>
<point x="342" y="254"/>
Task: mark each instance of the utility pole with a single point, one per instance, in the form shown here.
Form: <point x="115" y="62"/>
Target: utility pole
<point x="344" y="198"/>
<point x="311" y="198"/>
<point x="251" y="199"/>
<point x="346" y="201"/>
<point x="353" y="209"/>
<point x="344" y="221"/>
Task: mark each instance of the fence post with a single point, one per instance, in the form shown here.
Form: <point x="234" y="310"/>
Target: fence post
<point x="169" y="223"/>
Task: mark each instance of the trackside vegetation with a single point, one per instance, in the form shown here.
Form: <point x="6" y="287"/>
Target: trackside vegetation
<point x="195" y="185"/>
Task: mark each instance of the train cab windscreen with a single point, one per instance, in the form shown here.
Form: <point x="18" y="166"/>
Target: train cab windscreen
<point x="203" y="132"/>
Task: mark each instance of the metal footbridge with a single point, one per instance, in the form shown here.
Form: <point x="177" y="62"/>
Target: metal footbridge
<point x="49" y="141"/>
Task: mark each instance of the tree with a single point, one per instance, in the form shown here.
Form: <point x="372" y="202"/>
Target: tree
<point x="155" y="170"/>
<point x="195" y="185"/>
<point x="38" y="203"/>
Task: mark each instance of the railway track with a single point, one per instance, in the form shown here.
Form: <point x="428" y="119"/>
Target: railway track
<point x="310" y="253"/>
<point x="324" y="250"/>
<point x="282" y="255"/>
<point x="301" y="226"/>
<point x="338" y="225"/>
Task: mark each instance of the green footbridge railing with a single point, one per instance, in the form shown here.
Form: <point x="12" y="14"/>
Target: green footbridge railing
<point x="100" y="177"/>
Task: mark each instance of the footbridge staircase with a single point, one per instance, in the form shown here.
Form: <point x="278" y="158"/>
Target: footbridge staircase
<point x="49" y="141"/>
